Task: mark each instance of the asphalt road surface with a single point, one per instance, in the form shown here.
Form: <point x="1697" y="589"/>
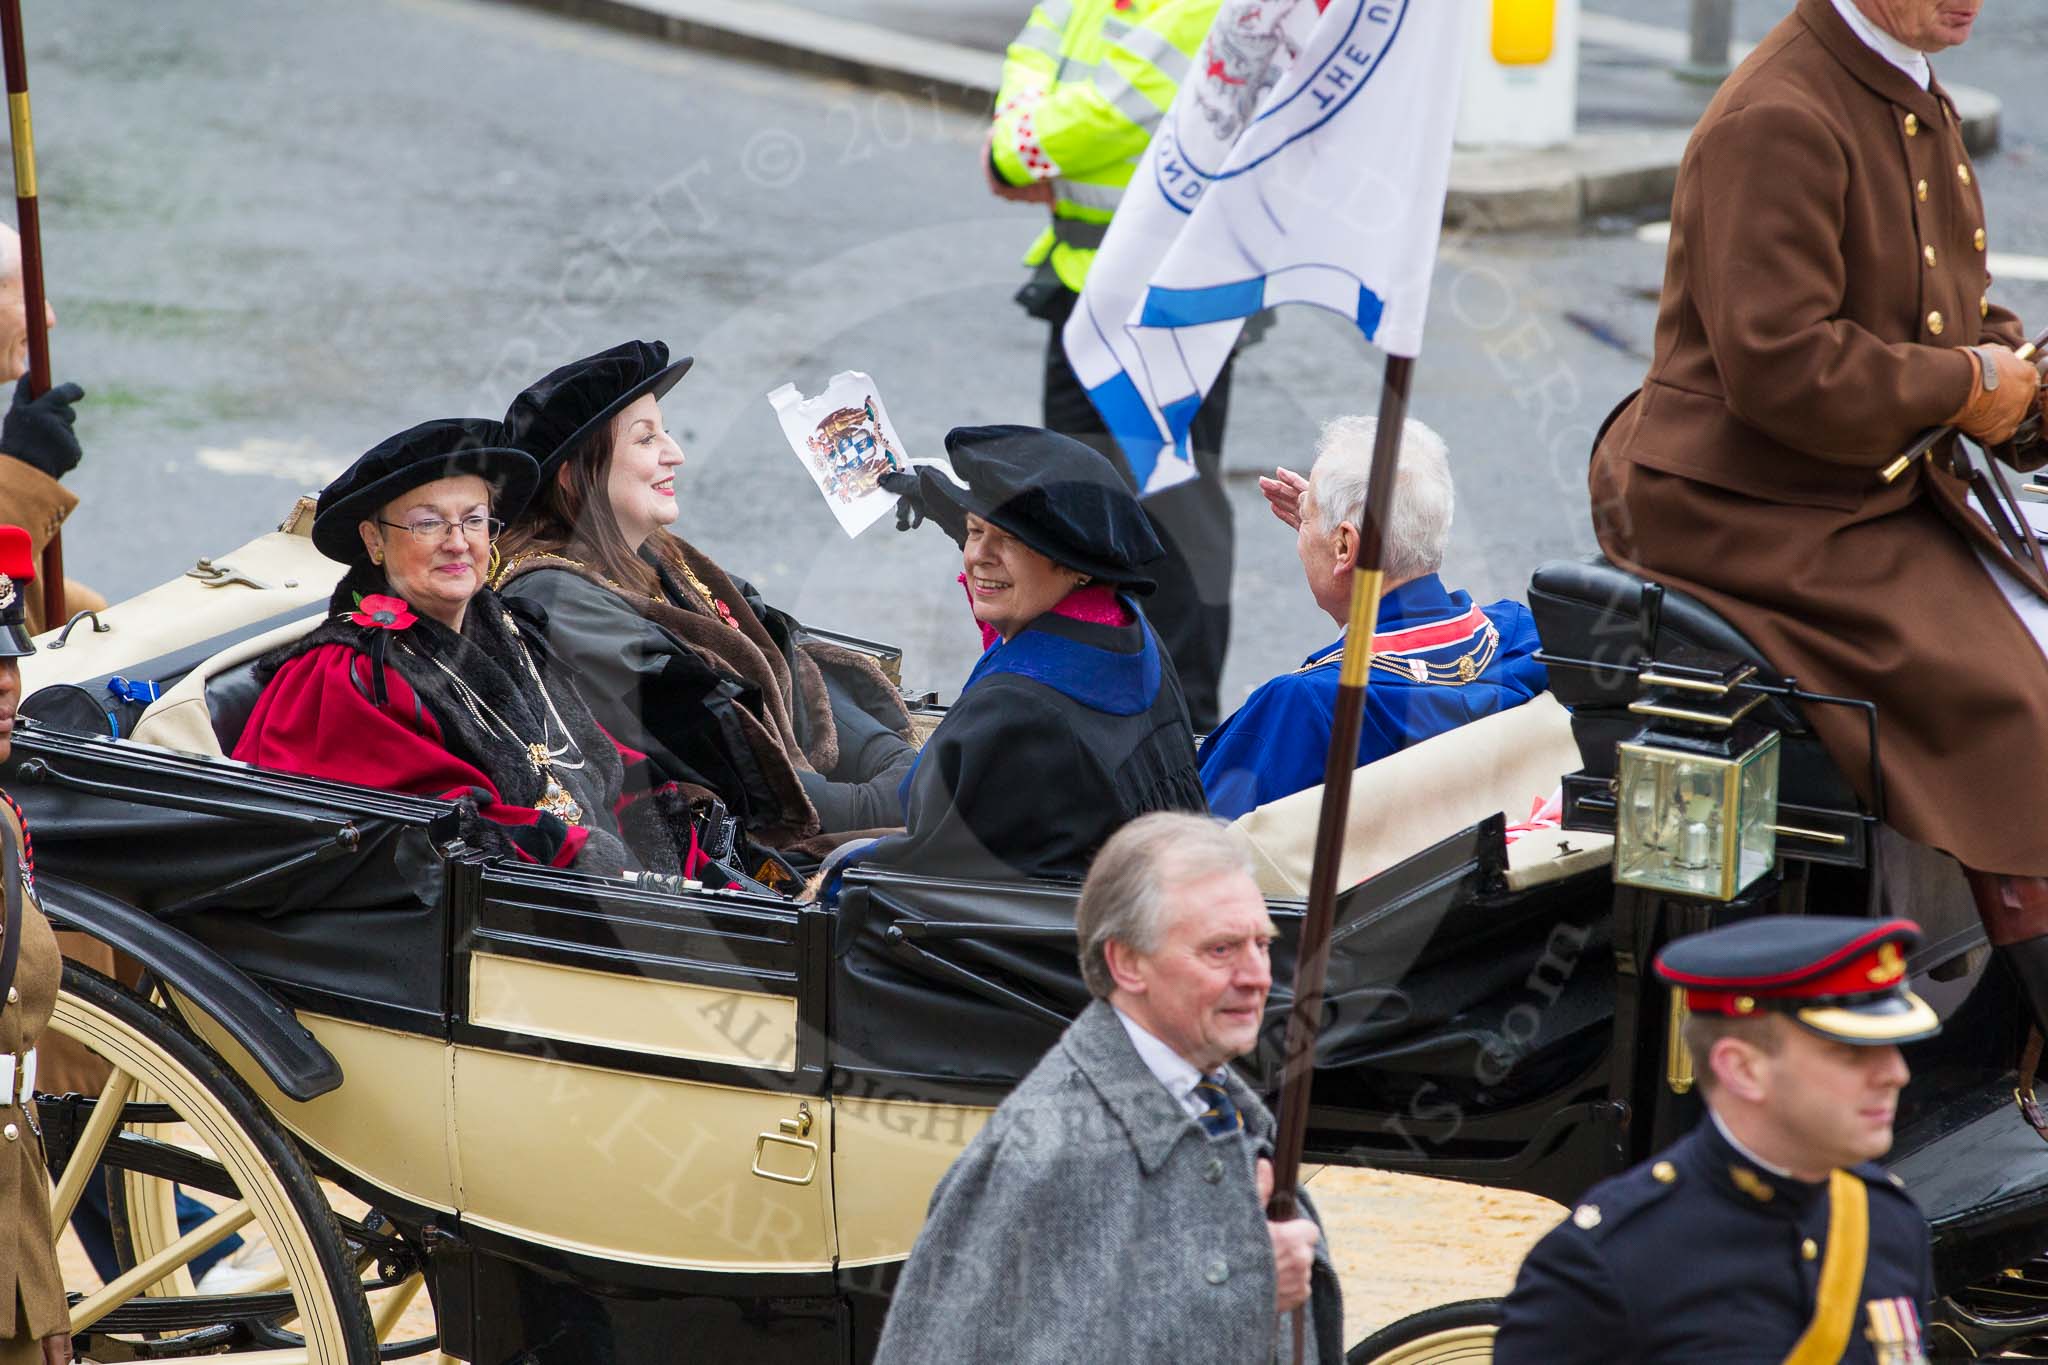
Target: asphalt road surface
<point x="276" y="234"/>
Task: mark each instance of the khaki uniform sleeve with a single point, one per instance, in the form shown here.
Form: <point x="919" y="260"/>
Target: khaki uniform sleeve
<point x="32" y="1303"/>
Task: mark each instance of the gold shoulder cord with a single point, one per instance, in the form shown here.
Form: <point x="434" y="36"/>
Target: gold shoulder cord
<point x="1841" y="1274"/>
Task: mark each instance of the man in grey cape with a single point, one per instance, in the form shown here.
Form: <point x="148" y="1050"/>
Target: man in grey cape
<point x="1113" y="1207"/>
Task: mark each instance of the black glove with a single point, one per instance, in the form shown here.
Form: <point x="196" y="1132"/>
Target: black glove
<point x="38" y="430"/>
<point x="909" y="491"/>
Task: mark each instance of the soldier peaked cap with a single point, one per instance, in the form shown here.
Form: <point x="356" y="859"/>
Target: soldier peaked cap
<point x="1050" y="491"/>
<point x="554" y="415"/>
<point x="17" y="572"/>
<point x="1839" y="976"/>
<point x="439" y="449"/>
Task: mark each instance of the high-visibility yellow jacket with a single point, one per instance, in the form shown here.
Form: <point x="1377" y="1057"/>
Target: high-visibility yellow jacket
<point x="1084" y="87"/>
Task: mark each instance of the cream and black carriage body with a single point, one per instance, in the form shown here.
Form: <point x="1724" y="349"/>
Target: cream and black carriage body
<point x="603" y="1123"/>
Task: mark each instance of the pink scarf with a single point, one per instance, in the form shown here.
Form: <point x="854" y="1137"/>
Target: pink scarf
<point x="1096" y="604"/>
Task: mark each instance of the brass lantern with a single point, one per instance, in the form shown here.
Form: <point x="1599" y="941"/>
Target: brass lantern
<point x="1696" y="793"/>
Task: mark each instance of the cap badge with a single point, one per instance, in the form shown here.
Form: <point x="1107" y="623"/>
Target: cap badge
<point x="1891" y="965"/>
<point x="7" y="592"/>
<point x="1751" y="1184"/>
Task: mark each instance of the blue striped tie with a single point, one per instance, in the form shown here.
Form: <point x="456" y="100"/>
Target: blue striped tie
<point x="1221" y="1119"/>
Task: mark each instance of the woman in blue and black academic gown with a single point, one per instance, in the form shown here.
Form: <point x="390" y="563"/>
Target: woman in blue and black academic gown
<point x="1073" y="722"/>
<point x="422" y="681"/>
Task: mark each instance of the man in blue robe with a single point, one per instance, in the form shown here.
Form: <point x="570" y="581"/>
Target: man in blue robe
<point x="1438" y="660"/>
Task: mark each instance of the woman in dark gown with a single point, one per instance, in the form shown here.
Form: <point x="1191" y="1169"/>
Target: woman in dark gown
<point x="1072" y="723"/>
<point x="422" y="681"/>
<point x="678" y="659"/>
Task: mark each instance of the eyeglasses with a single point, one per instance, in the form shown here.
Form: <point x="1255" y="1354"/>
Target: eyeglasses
<point x="430" y="530"/>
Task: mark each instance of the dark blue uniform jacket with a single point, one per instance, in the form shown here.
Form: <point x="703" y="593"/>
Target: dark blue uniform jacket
<point x="1702" y="1258"/>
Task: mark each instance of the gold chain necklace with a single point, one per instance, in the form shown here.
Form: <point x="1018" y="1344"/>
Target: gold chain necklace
<point x="554" y="797"/>
<point x="697" y="585"/>
<point x="1455" y="673"/>
<point x="704" y="591"/>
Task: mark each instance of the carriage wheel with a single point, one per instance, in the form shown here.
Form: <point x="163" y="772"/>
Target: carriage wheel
<point x="172" y="1112"/>
<point x="1450" y="1334"/>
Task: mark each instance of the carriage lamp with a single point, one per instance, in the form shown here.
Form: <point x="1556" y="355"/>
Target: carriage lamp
<point x="1696" y="793"/>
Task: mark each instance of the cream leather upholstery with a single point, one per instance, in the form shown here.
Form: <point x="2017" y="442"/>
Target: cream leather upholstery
<point x="186" y="610"/>
<point x="179" y="719"/>
<point x="1410" y="800"/>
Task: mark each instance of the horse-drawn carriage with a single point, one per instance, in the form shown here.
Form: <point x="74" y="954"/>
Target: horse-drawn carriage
<point x="607" y="1122"/>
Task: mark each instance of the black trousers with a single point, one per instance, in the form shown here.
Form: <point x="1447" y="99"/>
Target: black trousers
<point x="1191" y="610"/>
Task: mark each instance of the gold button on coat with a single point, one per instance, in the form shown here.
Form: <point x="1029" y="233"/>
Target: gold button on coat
<point x="1928" y="255"/>
<point x="1979" y="239"/>
<point x="1809" y="1248"/>
<point x="1934" y="323"/>
<point x="1912" y="126"/>
<point x="1664" y="1172"/>
<point x="1963" y="173"/>
<point x="1921" y="190"/>
<point x="1984" y="306"/>
<point x="11" y="1133"/>
<point x="13" y="996"/>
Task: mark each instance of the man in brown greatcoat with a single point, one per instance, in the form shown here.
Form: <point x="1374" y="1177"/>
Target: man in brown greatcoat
<point x="1827" y="272"/>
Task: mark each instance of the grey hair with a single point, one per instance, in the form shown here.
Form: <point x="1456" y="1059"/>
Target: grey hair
<point x="1420" y="525"/>
<point x="1124" y="897"/>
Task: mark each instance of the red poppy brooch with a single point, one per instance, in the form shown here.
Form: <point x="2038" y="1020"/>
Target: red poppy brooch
<point x="384" y="613"/>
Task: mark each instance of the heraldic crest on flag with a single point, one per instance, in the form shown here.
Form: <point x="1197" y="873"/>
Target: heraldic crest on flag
<point x="1304" y="160"/>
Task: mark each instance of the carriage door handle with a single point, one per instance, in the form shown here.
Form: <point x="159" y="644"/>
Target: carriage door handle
<point x="792" y="1133"/>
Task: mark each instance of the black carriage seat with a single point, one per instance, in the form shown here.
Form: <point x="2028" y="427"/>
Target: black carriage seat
<point x="207" y="710"/>
<point x="231" y="699"/>
<point x="1588" y="609"/>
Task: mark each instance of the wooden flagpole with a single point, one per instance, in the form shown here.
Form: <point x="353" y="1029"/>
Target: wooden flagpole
<point x="1312" y="957"/>
<point x="32" y="298"/>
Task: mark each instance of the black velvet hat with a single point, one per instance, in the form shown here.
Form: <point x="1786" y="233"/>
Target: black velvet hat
<point x="1050" y="491"/>
<point x="555" y="414"/>
<point x="439" y="449"/>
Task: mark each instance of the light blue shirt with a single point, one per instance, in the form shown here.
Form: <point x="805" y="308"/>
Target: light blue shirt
<point x="1174" y="1071"/>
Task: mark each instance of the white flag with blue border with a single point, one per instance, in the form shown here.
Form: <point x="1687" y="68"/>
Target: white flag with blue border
<point x="1304" y="160"/>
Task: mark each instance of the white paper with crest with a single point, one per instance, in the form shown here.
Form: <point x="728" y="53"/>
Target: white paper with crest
<point x="846" y="442"/>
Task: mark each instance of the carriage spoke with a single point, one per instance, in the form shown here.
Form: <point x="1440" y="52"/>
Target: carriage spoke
<point x="386" y="1315"/>
<point x="91" y="1145"/>
<point x="179" y="1253"/>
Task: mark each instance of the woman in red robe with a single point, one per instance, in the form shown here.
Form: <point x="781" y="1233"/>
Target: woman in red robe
<point x="421" y="681"/>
